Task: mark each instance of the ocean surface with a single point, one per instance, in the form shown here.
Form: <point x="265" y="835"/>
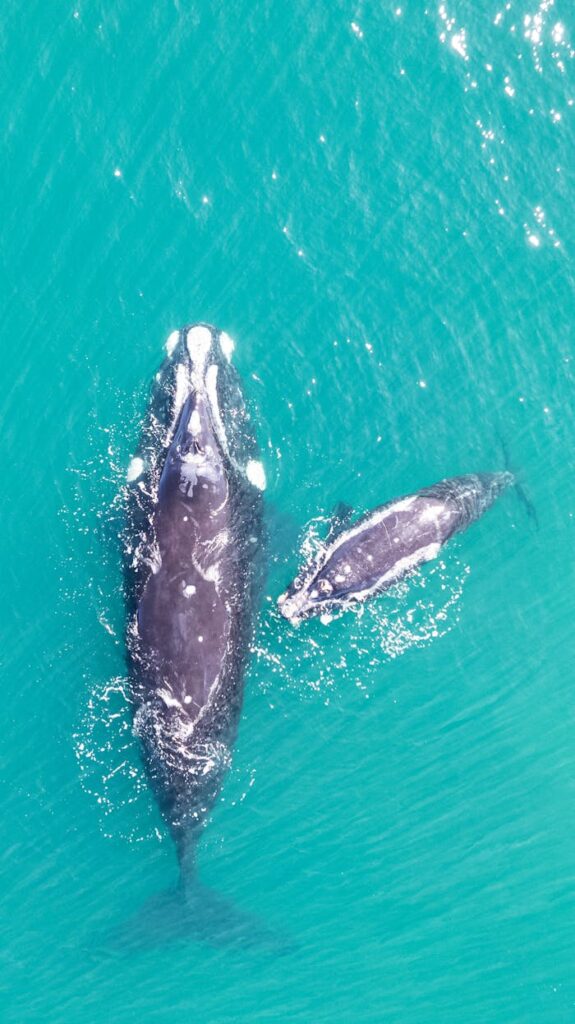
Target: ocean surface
<point x="376" y="201"/>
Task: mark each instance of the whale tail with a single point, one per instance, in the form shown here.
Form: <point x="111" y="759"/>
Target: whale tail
<point x="519" y="489"/>
<point x="194" y="913"/>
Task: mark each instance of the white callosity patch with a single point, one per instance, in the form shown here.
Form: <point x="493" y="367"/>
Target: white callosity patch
<point x="195" y="424"/>
<point x="293" y="606"/>
<point x="188" y="476"/>
<point x="135" y="469"/>
<point x="256" y="474"/>
<point x="198" y="343"/>
<point x="227" y="345"/>
<point x="172" y="341"/>
<point x="188" y="589"/>
<point x="198" y="466"/>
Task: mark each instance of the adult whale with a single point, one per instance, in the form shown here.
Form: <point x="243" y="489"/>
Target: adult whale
<point x="389" y="542"/>
<point x="193" y="568"/>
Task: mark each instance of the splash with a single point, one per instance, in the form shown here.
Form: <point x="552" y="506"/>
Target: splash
<point x="109" y="766"/>
<point x="324" y="656"/>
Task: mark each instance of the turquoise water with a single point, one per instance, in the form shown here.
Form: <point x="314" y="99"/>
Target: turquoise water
<point x="376" y="202"/>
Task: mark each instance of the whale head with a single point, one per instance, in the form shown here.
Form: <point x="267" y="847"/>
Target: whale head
<point x="308" y="594"/>
<point x="200" y="407"/>
<point x="193" y="459"/>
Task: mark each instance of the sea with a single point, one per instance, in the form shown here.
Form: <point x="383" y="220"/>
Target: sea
<point x="376" y="202"/>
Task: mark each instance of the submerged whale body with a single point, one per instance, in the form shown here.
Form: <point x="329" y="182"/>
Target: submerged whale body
<point x="193" y="572"/>
<point x="388" y="543"/>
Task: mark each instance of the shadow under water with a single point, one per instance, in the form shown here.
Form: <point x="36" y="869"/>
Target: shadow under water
<point x="194" y="913"/>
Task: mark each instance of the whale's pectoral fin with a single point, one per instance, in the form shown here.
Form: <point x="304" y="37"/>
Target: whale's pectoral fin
<point x="282" y="531"/>
<point x="340" y="520"/>
<point x="527" y="503"/>
<point x="519" y="489"/>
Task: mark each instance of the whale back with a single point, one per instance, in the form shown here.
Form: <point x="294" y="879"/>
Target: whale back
<point x="194" y="574"/>
<point x="389" y="542"/>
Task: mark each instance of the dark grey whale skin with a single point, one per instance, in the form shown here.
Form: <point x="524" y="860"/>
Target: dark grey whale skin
<point x="193" y="579"/>
<point x="389" y="542"/>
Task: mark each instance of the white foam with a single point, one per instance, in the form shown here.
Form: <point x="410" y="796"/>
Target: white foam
<point x="172" y="341"/>
<point x="199" y="341"/>
<point x="189" y="589"/>
<point x="135" y="469"/>
<point x="255" y="473"/>
<point x="227" y="345"/>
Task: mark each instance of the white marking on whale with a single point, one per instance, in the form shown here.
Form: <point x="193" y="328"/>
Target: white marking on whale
<point x="255" y="473"/>
<point x="198" y="344"/>
<point x="135" y="469"/>
<point x="168" y="698"/>
<point x="212" y="393"/>
<point x="172" y="341"/>
<point x="227" y="345"/>
<point x="195" y="423"/>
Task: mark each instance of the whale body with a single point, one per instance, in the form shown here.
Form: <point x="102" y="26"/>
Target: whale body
<point x="193" y="569"/>
<point x="388" y="543"/>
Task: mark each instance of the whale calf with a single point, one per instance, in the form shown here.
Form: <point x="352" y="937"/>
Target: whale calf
<point x="193" y="577"/>
<point x="388" y="543"/>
